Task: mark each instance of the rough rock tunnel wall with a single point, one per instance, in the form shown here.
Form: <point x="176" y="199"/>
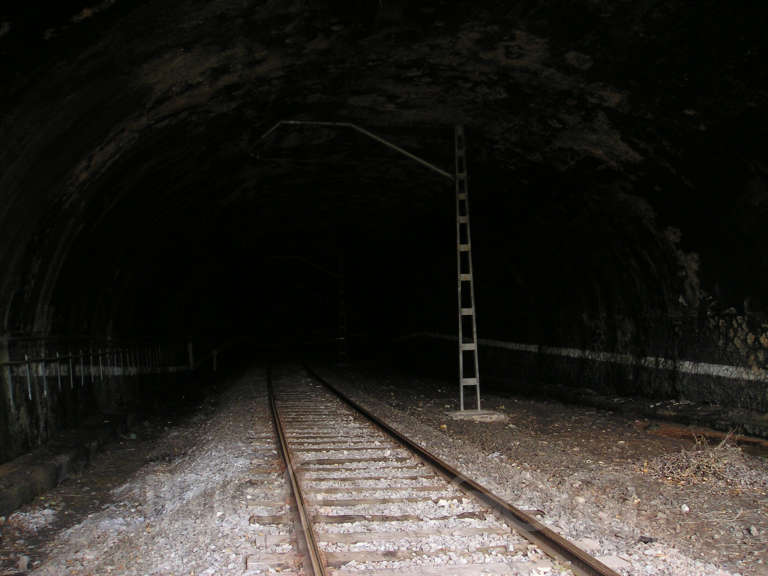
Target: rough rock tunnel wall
<point x="718" y="358"/>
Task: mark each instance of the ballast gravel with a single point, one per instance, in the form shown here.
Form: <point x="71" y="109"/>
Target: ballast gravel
<point x="189" y="514"/>
<point x="201" y="502"/>
<point x="592" y="475"/>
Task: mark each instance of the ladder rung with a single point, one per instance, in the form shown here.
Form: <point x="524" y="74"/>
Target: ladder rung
<point x="461" y="195"/>
<point x="469" y="381"/>
<point x="467" y="311"/>
<point x="464" y="247"/>
<point x="469" y="346"/>
<point x="465" y="277"/>
<point x="463" y="219"/>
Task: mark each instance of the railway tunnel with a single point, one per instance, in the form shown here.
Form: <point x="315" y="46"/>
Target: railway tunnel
<point x="191" y="190"/>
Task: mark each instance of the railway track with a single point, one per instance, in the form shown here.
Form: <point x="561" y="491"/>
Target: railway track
<point x="365" y="500"/>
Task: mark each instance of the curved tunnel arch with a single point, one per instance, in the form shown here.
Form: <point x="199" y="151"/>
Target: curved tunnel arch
<point x="130" y="189"/>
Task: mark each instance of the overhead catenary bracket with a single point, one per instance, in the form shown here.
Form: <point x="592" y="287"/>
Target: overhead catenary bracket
<point x="363" y="131"/>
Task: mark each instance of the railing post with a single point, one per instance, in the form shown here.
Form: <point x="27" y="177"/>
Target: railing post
<point x="82" y="369"/>
<point x="58" y="371"/>
<point x="10" y="387"/>
<point x="71" y="372"/>
<point x="101" y="367"/>
<point x="45" y="378"/>
<point x="5" y="359"/>
<point x="29" y="377"/>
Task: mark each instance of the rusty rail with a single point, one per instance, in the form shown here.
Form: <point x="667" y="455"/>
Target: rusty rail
<point x="310" y="539"/>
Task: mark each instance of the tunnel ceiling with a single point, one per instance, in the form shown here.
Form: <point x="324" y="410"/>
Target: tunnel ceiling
<point x="131" y="151"/>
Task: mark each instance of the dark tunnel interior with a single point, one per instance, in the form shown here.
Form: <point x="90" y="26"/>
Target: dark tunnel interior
<point x="447" y="287"/>
<point x="616" y="160"/>
<point x="253" y="242"/>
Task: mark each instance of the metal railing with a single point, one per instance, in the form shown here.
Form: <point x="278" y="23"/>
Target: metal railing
<point x="79" y="369"/>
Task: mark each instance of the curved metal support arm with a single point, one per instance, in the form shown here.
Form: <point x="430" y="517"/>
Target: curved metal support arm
<point x="363" y="131"/>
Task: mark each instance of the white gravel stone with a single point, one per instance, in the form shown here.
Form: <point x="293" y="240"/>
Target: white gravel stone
<point x="615" y="562"/>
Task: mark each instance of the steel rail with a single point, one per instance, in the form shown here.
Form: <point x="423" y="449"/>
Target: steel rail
<point x="310" y="539"/>
<point x="531" y="529"/>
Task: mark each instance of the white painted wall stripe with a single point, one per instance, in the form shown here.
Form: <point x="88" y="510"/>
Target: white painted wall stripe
<point x="655" y="362"/>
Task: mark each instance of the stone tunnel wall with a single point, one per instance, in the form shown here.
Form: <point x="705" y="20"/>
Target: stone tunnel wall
<point x="718" y="358"/>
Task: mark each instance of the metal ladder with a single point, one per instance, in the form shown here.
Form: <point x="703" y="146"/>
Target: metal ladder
<point x="469" y="368"/>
